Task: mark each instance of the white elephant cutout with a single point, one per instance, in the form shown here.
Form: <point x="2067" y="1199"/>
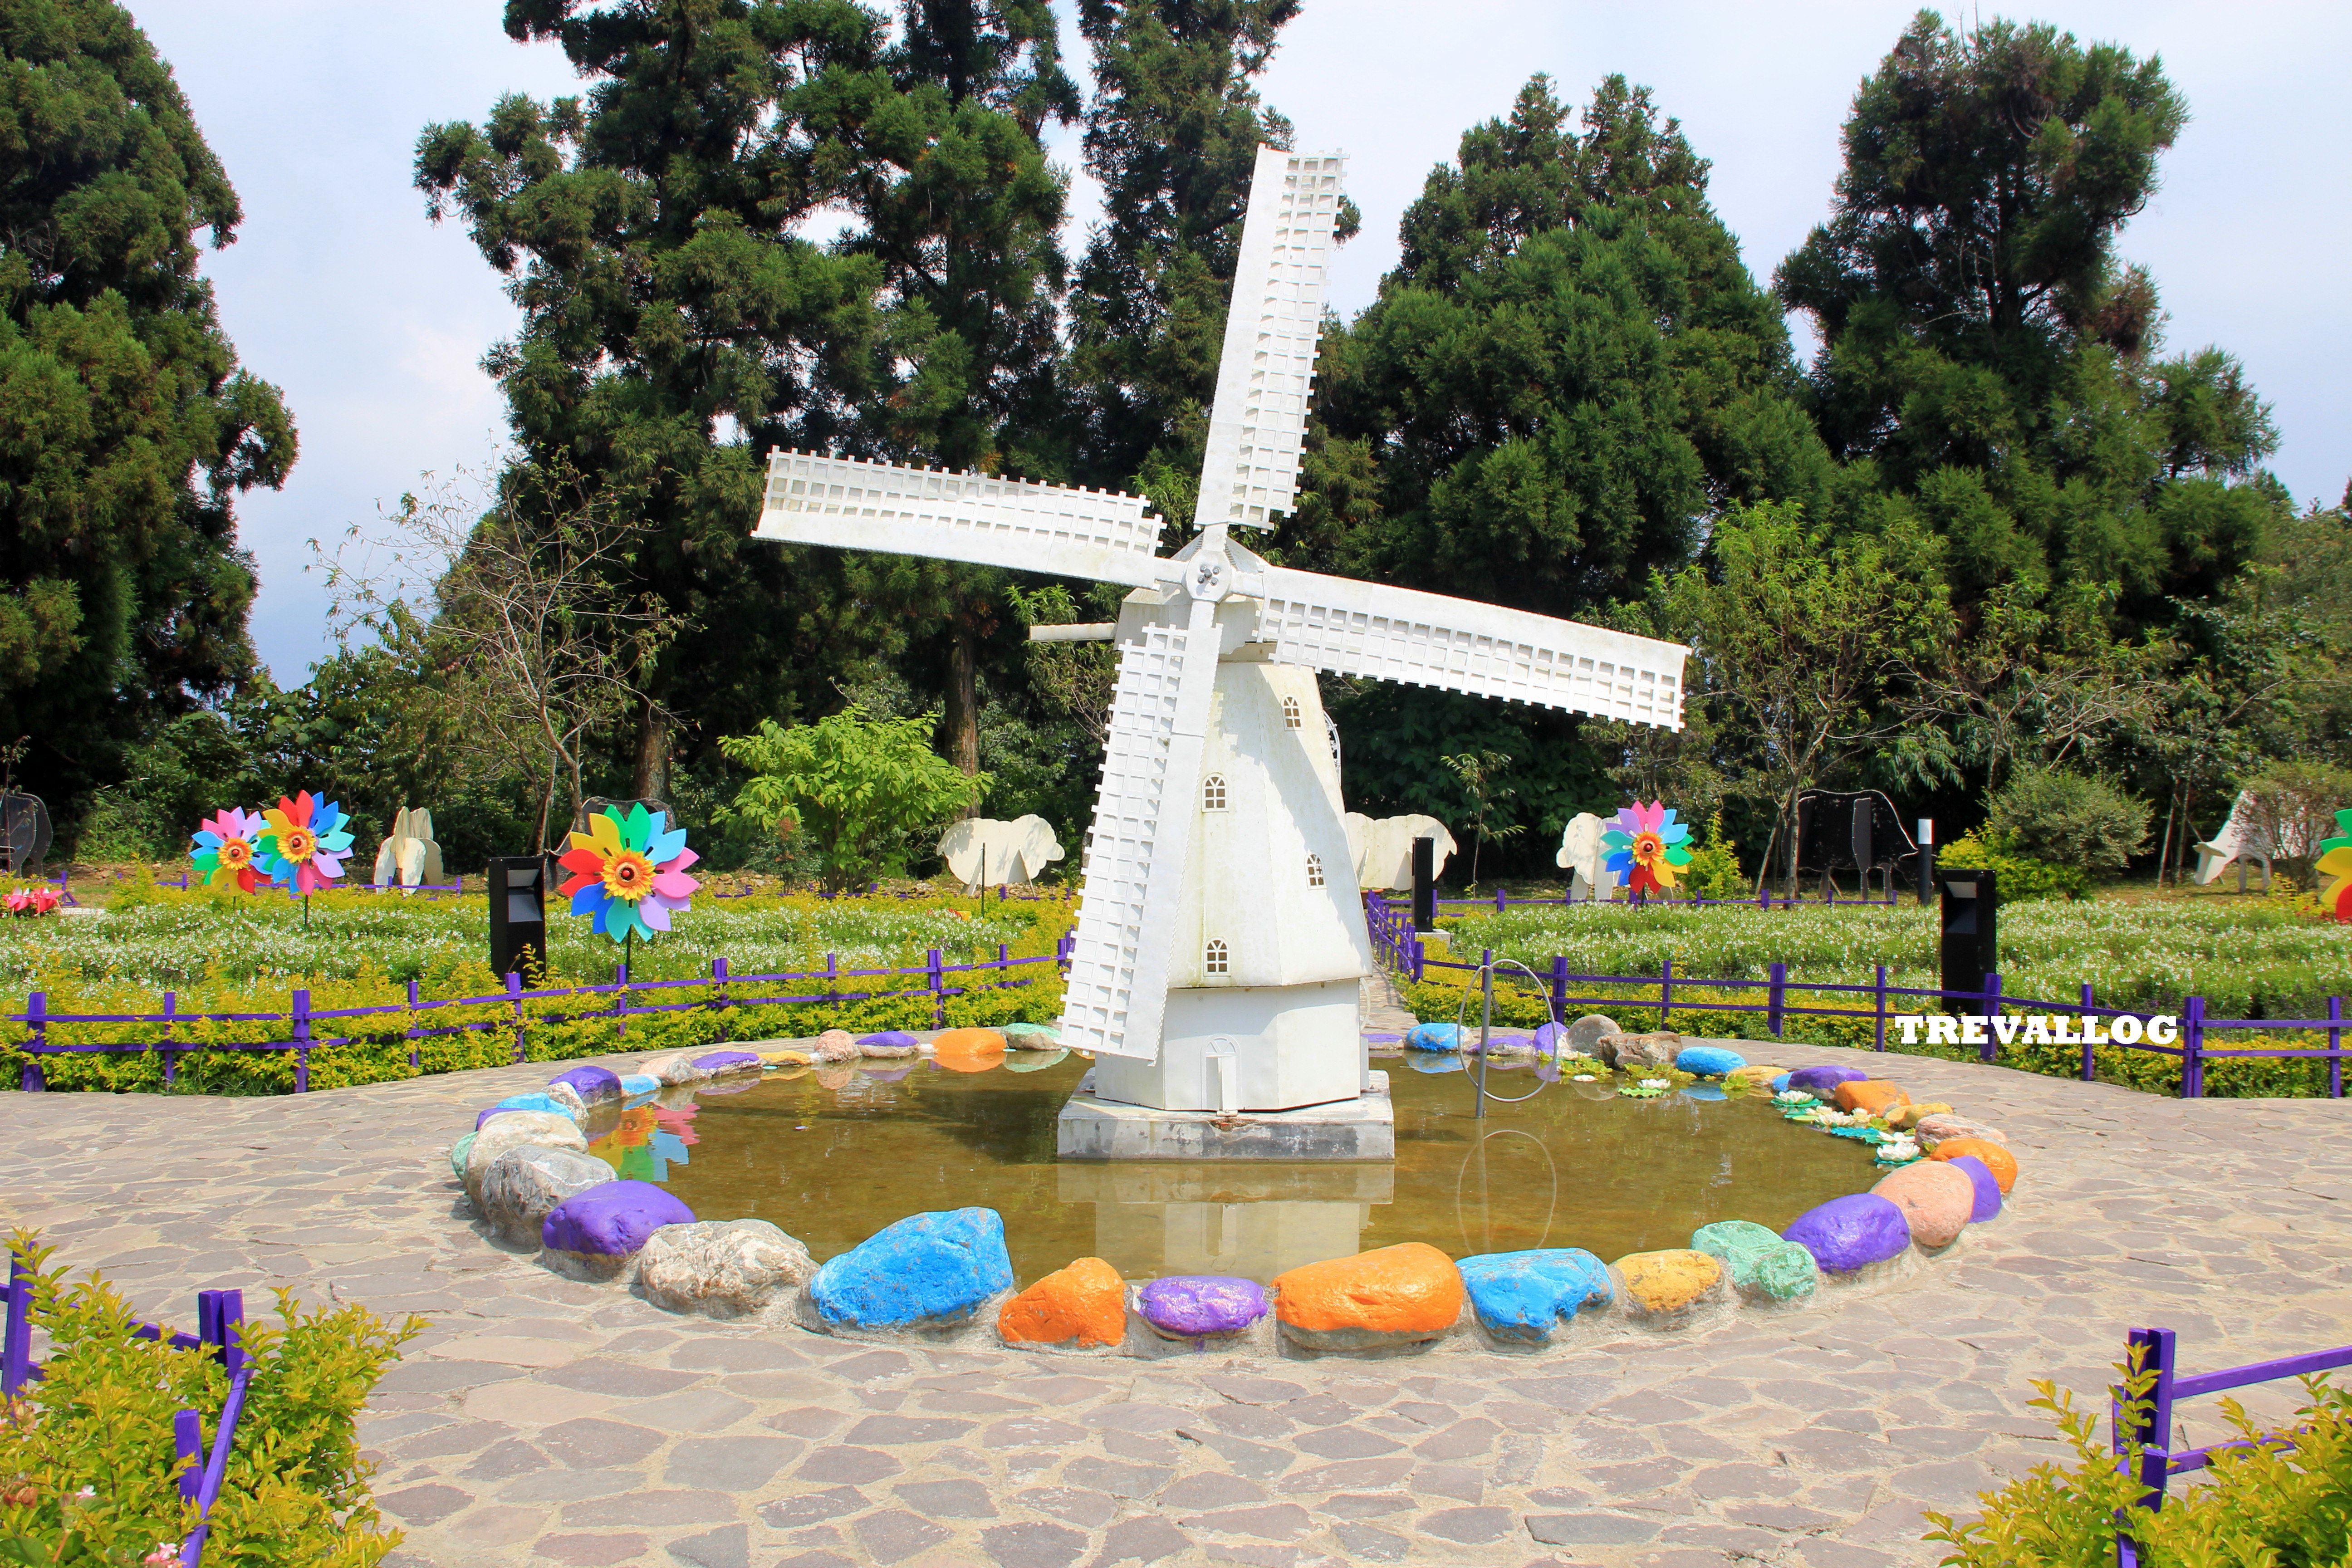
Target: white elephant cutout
<point x="1584" y="859"/>
<point x="1383" y="848"/>
<point x="408" y="854"/>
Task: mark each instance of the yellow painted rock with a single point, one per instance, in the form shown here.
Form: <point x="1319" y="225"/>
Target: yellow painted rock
<point x="1394" y="1295"/>
<point x="1874" y="1095"/>
<point x="1997" y="1160"/>
<point x="1906" y="1116"/>
<point x="1935" y="1200"/>
<point x="1083" y="1305"/>
<point x="784" y="1059"/>
<point x="1662" y="1282"/>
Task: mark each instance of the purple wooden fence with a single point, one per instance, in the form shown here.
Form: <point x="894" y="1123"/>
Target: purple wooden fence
<point x="1392" y="942"/>
<point x="302" y="1021"/>
<point x="1765" y="898"/>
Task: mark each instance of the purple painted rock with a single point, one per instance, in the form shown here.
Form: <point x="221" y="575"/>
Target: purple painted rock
<point x="716" y="1062"/>
<point x="1821" y="1082"/>
<point x="1852" y="1232"/>
<point x="1551" y="1037"/>
<point x="612" y="1220"/>
<point x="886" y="1046"/>
<point x="1987" y="1184"/>
<point x="1187" y="1306"/>
<point x="591" y="1084"/>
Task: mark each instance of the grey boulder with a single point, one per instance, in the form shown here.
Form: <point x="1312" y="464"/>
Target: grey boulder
<point x="1652" y="1050"/>
<point x="525" y="1183"/>
<point x="513" y="1130"/>
<point x="721" y="1268"/>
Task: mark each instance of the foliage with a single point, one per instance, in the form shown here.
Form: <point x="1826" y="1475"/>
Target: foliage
<point x="861" y="787"/>
<point x="1713" y="870"/>
<point x="2070" y="818"/>
<point x="1483" y="791"/>
<point x="131" y="428"/>
<point x="91" y="1442"/>
<point x="2018" y="875"/>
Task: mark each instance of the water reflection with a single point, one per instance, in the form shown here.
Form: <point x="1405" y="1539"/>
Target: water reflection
<point x="1247" y="1218"/>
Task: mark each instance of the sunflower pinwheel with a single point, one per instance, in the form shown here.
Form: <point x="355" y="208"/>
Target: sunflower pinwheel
<point x="1647" y="847"/>
<point x="224" y="853"/>
<point x="628" y="873"/>
<point x="2336" y="862"/>
<point x="303" y="843"/>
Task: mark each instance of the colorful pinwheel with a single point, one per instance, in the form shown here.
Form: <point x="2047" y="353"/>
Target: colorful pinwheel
<point x="224" y="853"/>
<point x="303" y="843"/>
<point x="628" y="873"/>
<point x="1646" y="847"/>
<point x="2335" y="861"/>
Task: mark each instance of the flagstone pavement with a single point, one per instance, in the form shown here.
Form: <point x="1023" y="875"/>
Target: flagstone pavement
<point x="539" y="1420"/>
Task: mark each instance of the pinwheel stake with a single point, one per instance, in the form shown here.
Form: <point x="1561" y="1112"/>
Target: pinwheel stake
<point x="628" y="875"/>
<point x="1647" y="849"/>
<point x="303" y="844"/>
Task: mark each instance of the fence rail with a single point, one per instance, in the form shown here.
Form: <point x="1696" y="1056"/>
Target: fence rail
<point x="302" y="1020"/>
<point x="1396" y="944"/>
<point x="1765" y="898"/>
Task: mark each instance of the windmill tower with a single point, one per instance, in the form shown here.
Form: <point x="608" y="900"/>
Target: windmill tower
<point x="1220" y="939"/>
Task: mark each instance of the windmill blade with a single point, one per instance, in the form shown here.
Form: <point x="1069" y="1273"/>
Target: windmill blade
<point x="1053" y="529"/>
<point x="1118" y="985"/>
<point x="1251" y="470"/>
<point x="1458" y="645"/>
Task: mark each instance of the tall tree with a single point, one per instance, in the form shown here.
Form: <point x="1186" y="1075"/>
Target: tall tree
<point x="127" y="429"/>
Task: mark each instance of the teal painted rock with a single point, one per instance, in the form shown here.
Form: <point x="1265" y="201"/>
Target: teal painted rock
<point x="636" y="1083"/>
<point x="1031" y="1037"/>
<point x="1434" y="1037"/>
<point x="457" y="1152"/>
<point x="1708" y="1062"/>
<point x="1529" y="1296"/>
<point x="927" y="1271"/>
<point x="1761" y="1266"/>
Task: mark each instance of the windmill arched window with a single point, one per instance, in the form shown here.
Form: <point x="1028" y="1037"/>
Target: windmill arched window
<point x="1314" y="870"/>
<point x="1213" y="961"/>
<point x="1212" y="793"/>
<point x="1290" y="712"/>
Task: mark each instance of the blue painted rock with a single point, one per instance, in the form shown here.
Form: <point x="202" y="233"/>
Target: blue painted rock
<point x="1852" y="1232"/>
<point x="534" y="1100"/>
<point x="1780" y="1083"/>
<point x="1526" y="1296"/>
<point x="1821" y="1082"/>
<point x="1434" y="1037"/>
<point x="1192" y="1306"/>
<point x="1708" y="1062"/>
<point x="716" y="1062"/>
<point x="591" y="1084"/>
<point x="1761" y="1265"/>
<point x="636" y="1083"/>
<point x="1987" y="1184"/>
<point x="459" y="1150"/>
<point x="1551" y="1037"/>
<point x="927" y="1271"/>
<point x="1704" y="1091"/>
<point x="612" y="1220"/>
<point x="1434" y="1063"/>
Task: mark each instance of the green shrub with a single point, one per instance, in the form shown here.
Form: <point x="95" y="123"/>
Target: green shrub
<point x="2067" y="818"/>
<point x="2264" y="1508"/>
<point x="2018" y="875"/>
<point x="88" y="1470"/>
<point x="1713" y="870"/>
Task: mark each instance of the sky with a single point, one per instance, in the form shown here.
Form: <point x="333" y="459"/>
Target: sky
<point x="373" y="320"/>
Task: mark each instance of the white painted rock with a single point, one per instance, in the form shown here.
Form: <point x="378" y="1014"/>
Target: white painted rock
<point x="674" y="1070"/>
<point x="1943" y="1125"/>
<point x="525" y="1183"/>
<point x="566" y="1096"/>
<point x="721" y="1268"/>
<point x="514" y="1129"/>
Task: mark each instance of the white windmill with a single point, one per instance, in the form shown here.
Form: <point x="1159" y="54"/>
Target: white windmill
<point x="1220" y="938"/>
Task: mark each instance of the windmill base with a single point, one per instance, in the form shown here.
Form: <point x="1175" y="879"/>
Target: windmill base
<point x="1092" y="1128"/>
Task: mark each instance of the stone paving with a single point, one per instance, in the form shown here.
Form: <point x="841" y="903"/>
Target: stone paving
<point x="539" y="1420"/>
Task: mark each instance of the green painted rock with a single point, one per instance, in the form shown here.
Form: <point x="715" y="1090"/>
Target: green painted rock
<point x="1762" y="1267"/>
<point x="457" y="1152"/>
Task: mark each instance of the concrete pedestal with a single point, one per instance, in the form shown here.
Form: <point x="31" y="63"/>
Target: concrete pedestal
<point x="1092" y="1128"/>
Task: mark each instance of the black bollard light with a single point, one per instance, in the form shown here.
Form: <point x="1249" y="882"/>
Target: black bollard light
<point x="517" y="913"/>
<point x="1926" y="862"/>
<point x="1424" y="884"/>
<point x="1970" y="949"/>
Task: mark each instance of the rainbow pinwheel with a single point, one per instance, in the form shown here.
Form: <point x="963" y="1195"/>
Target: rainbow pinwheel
<point x="303" y="843"/>
<point x="628" y="873"/>
<point x="224" y="853"/>
<point x="2335" y="861"/>
<point x="1646" y="847"/>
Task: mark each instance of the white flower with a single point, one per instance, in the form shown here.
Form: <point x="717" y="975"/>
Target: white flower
<point x="1655" y="1082"/>
<point x="1582" y="1078"/>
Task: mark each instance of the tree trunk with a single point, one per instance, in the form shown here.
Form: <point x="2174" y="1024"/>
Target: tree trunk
<point x="964" y="705"/>
<point x="650" y="775"/>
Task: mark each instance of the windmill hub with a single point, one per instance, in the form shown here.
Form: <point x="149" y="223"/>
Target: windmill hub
<point x="1221" y="941"/>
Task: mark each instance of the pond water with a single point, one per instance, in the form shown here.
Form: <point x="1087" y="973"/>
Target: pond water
<point x="834" y="1154"/>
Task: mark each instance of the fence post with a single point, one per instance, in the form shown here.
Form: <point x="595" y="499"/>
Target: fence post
<point x="1991" y="999"/>
<point x="1559" y="985"/>
<point x="831" y="981"/>
<point x="620" y="1000"/>
<point x="2090" y="1065"/>
<point x="1879" y="991"/>
<point x="1780" y="983"/>
<point x="2335" y="1047"/>
<point x="301" y="1042"/>
<point x="1498" y="898"/>
<point x="514" y="1000"/>
<point x="171" y="1006"/>
<point x="415" y="1033"/>
<point x="718" y="983"/>
<point x="33" y="1079"/>
<point x="220" y="1322"/>
<point x="16" y="1348"/>
<point x="188" y="1444"/>
<point x="2150" y="1350"/>
<point x="1666" y="993"/>
<point x="2192" y="1056"/>
<point x="939" y="985"/>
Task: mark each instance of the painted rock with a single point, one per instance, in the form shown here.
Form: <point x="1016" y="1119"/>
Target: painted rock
<point x="1032" y="1036"/>
<point x="1035" y="1061"/>
<point x="1529" y="1296"/>
<point x="1821" y="1082"/>
<point x="1406" y="1294"/>
<point x="1761" y="1266"/>
<point x="1852" y="1232"/>
<point x="1708" y="1062"/>
<point x="1781" y="1082"/>
<point x="612" y="1220"/>
<point x="457" y="1152"/>
<point x="512" y="1130"/>
<point x="633" y="1084"/>
<point x="1936" y="1201"/>
<point x="1903" y="1118"/>
<point x="525" y="1185"/>
<point x="1942" y="1125"/>
<point x="1662" y="1284"/>
<point x="1550" y="1038"/>
<point x="969" y="1043"/>
<point x="888" y="1045"/>
<point x="1656" y="1050"/>
<point x="1083" y="1305"/>
<point x="674" y="1070"/>
<point x="1193" y="1305"/>
<point x="927" y="1271"/>
<point x="564" y="1095"/>
<point x="787" y="1059"/>
<point x="547" y="1104"/>
<point x="1996" y="1159"/>
<point x="1434" y="1037"/>
<point x="1589" y="1031"/>
<point x="1874" y="1095"/>
<point x="721" y="1268"/>
<point x="1982" y="1182"/>
<point x="593" y="1085"/>
<point x="834" y="1046"/>
<point x="727" y="1062"/>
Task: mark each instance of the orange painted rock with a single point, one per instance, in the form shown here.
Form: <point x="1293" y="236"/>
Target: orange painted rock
<point x="1997" y="1160"/>
<point x="1396" y="1295"/>
<point x="1083" y="1305"/>
<point x="1937" y="1201"/>
<point x="1874" y="1095"/>
<point x="1659" y="1284"/>
<point x="1906" y="1116"/>
<point x="969" y="1043"/>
